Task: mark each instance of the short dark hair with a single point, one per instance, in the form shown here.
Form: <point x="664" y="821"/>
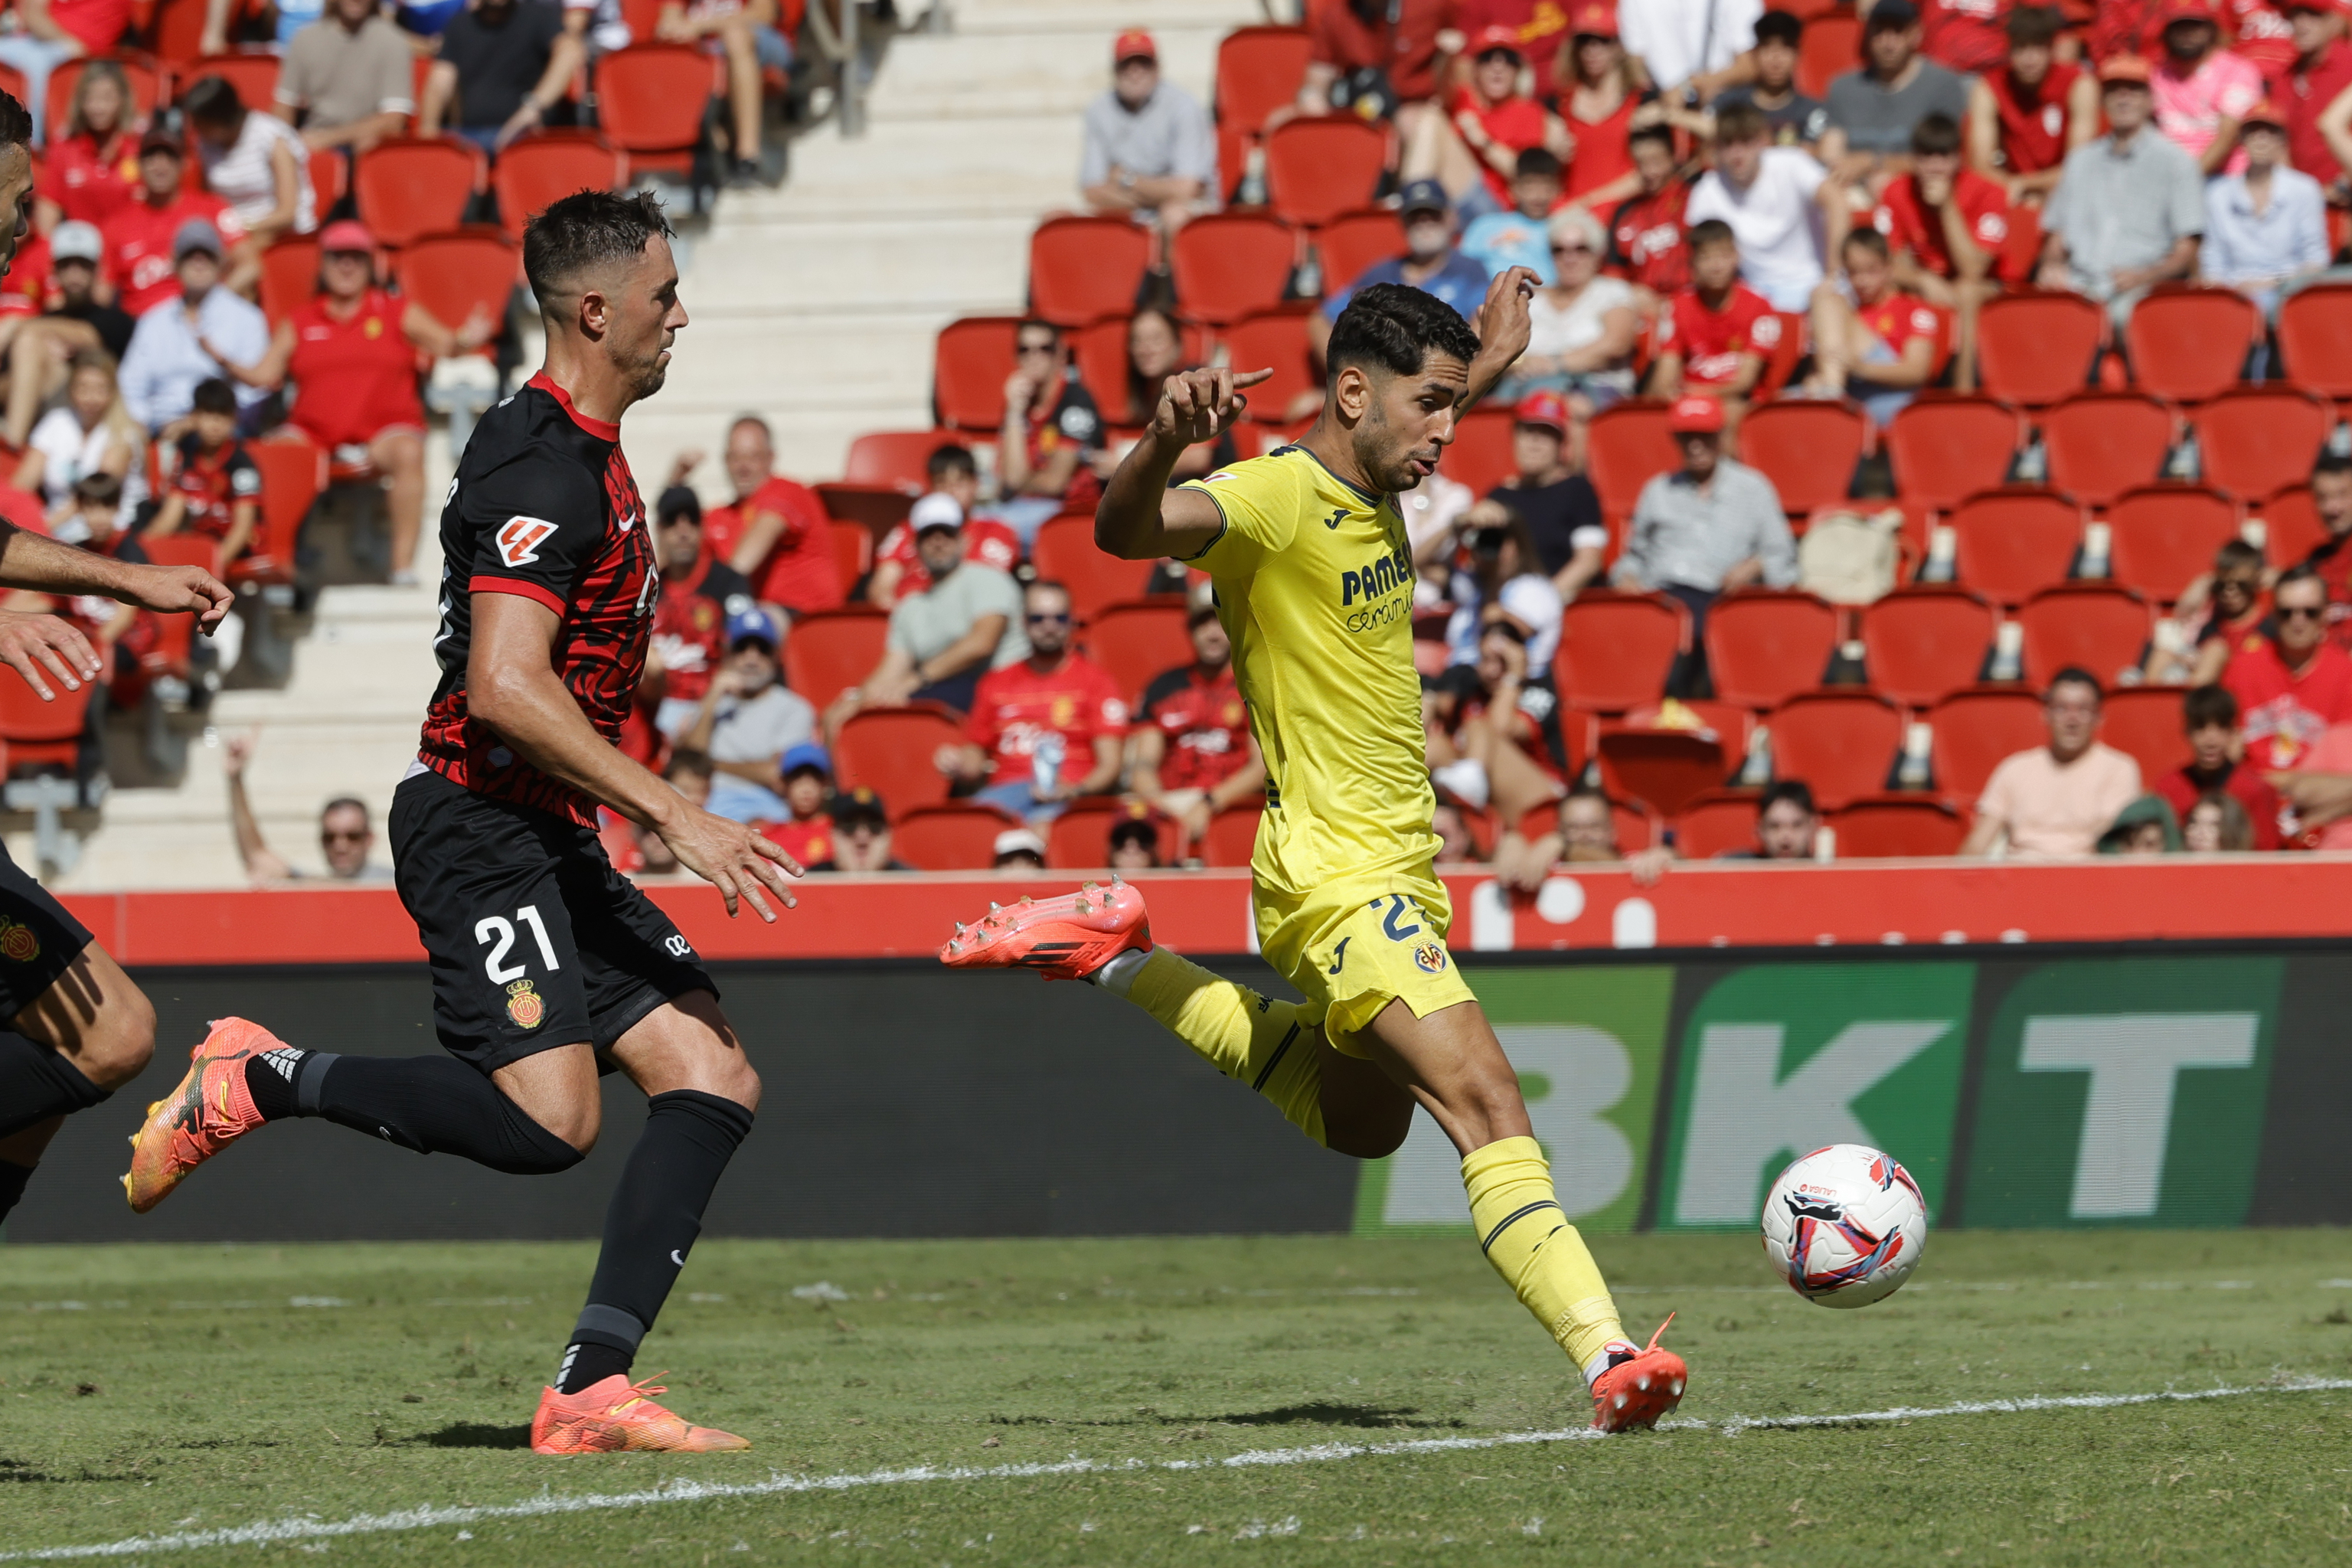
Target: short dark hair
<point x="678" y="501"/>
<point x="2208" y="705"/>
<point x="585" y="229"/>
<point x="1870" y="239"/>
<point x="99" y="489"/>
<point x="1711" y="231"/>
<point x="1742" y="121"/>
<point x="2301" y="572"/>
<point x="949" y="459"/>
<point x="1796" y="792"/>
<point x="2332" y="463"/>
<point x="1661" y="132"/>
<point x="683" y="760"/>
<point x="2236" y="553"/>
<point x="346" y="803"/>
<point x="1036" y="324"/>
<point x="1936" y="135"/>
<point x="1537" y="160"/>
<point x="213" y="101"/>
<point x="1397" y="328"/>
<point x="2032" y="25"/>
<point x="2074" y="675"/>
<point x="16" y="121"/>
<point x="1136" y="830"/>
<point x="213" y="395"/>
<point x="1779" y="28"/>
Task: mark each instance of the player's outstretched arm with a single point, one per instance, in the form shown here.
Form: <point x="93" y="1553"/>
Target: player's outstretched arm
<point x="1504" y="329"/>
<point x="511" y="686"/>
<point x="29" y="561"/>
<point x="1139" y="518"/>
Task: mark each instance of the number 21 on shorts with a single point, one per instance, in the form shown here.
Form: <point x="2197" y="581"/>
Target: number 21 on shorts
<point x="525" y="1007"/>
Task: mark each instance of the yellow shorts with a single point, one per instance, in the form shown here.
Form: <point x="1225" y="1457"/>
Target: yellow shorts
<point x="1353" y="947"/>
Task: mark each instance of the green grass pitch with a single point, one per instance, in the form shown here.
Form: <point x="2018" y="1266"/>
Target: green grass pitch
<point x="176" y="1391"/>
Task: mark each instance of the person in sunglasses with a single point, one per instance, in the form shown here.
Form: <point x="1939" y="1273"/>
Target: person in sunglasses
<point x="1046" y="730"/>
<point x="2290" y="681"/>
<point x="346" y="831"/>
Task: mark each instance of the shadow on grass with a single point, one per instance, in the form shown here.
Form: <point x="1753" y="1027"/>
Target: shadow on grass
<point x="1324" y="1412"/>
<point x="469" y="1435"/>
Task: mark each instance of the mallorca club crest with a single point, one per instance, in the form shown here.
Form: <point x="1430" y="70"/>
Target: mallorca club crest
<point x="525" y="1005"/>
<point x="17" y="943"/>
<point x="1431" y="957"/>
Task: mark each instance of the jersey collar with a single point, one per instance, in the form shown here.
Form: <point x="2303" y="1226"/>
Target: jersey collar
<point x="1369" y="500"/>
<point x="599" y="428"/>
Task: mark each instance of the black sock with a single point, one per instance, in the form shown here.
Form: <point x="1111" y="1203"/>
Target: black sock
<point x="11" y="1185"/>
<point x="36" y="1083"/>
<point x="432" y="1104"/>
<point x="657" y="1213"/>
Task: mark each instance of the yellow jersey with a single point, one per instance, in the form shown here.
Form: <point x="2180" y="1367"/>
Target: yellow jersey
<point x="1314" y="581"/>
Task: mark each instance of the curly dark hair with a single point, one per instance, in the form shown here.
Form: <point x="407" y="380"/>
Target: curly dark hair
<point x="1397" y="328"/>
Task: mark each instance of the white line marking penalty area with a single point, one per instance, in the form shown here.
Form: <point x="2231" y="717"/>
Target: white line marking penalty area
<point x="677" y="1490"/>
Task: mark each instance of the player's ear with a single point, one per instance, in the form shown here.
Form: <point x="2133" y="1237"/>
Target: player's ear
<point x="593" y="313"/>
<point x="1351" y="389"/>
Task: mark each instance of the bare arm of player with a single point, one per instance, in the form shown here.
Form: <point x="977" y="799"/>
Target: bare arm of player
<point x="1139" y="518"/>
<point x="29" y="561"/>
<point x="511" y="686"/>
<point x="1503" y="328"/>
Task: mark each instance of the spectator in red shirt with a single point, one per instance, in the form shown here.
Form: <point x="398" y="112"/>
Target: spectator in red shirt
<point x="1475" y="153"/>
<point x="2027" y="115"/>
<point x="699" y="593"/>
<point x="898" y="568"/>
<point x="1645" y="232"/>
<point x="216" y="486"/>
<point x="2210" y="715"/>
<point x="1714" y="337"/>
<point x="2259" y="32"/>
<point x="71" y="321"/>
<point x="91" y="172"/>
<point x="1540" y="25"/>
<point x="51" y="32"/>
<point x="351" y="355"/>
<point x="1194" y="754"/>
<point x="1043" y="731"/>
<point x="2331" y="498"/>
<point x="1051" y="426"/>
<point x="1877" y="347"/>
<point x="2215" y="612"/>
<point x="2290" y="681"/>
<point x="1946" y="227"/>
<point x="775" y="530"/>
<point x="139" y="236"/>
<point x="2319" y="82"/>
<point x="1600" y="99"/>
<point x="1378" y="59"/>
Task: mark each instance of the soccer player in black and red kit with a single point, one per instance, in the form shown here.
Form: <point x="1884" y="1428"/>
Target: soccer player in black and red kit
<point x="547" y="964"/>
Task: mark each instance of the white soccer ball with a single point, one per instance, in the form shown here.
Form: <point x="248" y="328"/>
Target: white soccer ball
<point x="1845" y="1225"/>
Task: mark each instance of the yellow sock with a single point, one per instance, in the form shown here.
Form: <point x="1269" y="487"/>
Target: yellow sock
<point x="1267" y="1044"/>
<point x="1526" y="1237"/>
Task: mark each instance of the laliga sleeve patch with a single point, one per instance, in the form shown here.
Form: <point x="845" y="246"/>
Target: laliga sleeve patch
<point x="519" y="539"/>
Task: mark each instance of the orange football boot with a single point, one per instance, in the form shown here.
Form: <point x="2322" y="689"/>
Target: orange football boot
<point x="210" y="1109"/>
<point x="1639" y="1390"/>
<point x="618" y="1416"/>
<point x="1067" y="938"/>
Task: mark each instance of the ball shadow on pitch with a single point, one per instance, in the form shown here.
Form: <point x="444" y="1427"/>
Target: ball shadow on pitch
<point x="1324" y="1413"/>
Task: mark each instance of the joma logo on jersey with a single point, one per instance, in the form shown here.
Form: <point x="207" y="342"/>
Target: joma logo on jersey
<point x="1385" y="575"/>
<point x="519" y="539"/>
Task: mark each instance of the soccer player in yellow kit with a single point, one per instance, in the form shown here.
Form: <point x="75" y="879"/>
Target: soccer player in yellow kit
<point x="1314" y="581"/>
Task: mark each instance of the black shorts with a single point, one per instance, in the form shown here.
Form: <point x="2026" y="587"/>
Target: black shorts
<point x="535" y="941"/>
<point x="39" y="940"/>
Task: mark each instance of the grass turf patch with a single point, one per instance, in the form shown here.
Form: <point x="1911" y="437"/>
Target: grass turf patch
<point x="162" y="1389"/>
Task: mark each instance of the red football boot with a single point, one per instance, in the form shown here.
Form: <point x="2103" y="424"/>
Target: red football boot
<point x="618" y="1416"/>
<point x="209" y="1111"/>
<point x="1067" y="938"/>
<point x="1640" y="1386"/>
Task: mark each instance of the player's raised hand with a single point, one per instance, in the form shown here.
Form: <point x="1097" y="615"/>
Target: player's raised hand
<point x="734" y="859"/>
<point x="32" y="644"/>
<point x="1503" y="324"/>
<point x="175" y="590"/>
<point x="1197" y="405"/>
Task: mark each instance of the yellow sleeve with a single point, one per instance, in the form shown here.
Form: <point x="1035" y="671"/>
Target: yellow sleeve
<point x="1259" y="502"/>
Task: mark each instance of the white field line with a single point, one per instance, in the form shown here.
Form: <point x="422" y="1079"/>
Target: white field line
<point x="682" y="1490"/>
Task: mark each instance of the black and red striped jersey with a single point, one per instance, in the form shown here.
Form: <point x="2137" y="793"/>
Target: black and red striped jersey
<point x="543" y="506"/>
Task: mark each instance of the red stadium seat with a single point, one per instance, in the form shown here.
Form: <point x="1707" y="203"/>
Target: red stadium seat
<point x="894" y="752"/>
<point x="1626" y="447"/>
<point x="1788" y="348"/>
<point x="1921" y="643"/>
<point x="852" y="550"/>
<point x="2167" y="535"/>
<point x="1079" y="839"/>
<point x="293" y="472"/>
<point x="1974" y="731"/>
<point x="1946" y="448"/>
<point x="37" y="732"/>
<point x="953" y="838"/>
<point x="2035" y="347"/>
<point x="2190" y="343"/>
<point x="454" y="275"/>
<point x="177" y="634"/>
<point x="969" y="367"/>
<point x="331" y="177"/>
<point x="1276" y="341"/>
<point x="289" y="276"/>
<point x="1258" y="71"/>
<point x="2253" y="443"/>
<point x="2101" y="443"/>
<point x="900" y="458"/>
<point x="1353" y="243"/>
<point x="1232" y="836"/>
<point x="1715" y="822"/>
<point x="2314" y="339"/>
<point x="1807" y="449"/>
<point x="1665" y="769"/>
<point x="255" y="78"/>
<point x="410" y="187"/>
<point x="1831" y="47"/>
<point x="176" y="30"/>
<point x="1616" y="649"/>
<point x="545" y="168"/>
<point x="1064" y="551"/>
<point x="1226" y="266"/>
<point x="1083" y="268"/>
<point x="1139" y="642"/>
<point x="2013" y="542"/>
<point x="1841" y="743"/>
<point x="2291" y="526"/>
<point x="2146" y="723"/>
<point x="1764" y="647"/>
<point x="2100" y="628"/>
<point x="1321" y="167"/>
<point x="830" y="651"/>
<point x="146" y="87"/>
<point x="1897" y="826"/>
<point x="1482" y="455"/>
<point x="650" y="99"/>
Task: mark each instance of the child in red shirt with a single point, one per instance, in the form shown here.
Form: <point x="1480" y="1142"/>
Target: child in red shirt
<point x="216" y="492"/>
<point x="1645" y="233"/>
<point x="1492" y="125"/>
<point x="1716" y="334"/>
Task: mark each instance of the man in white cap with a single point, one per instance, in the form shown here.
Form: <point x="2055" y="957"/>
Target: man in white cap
<point x="965" y="622"/>
<point x="183" y="342"/>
